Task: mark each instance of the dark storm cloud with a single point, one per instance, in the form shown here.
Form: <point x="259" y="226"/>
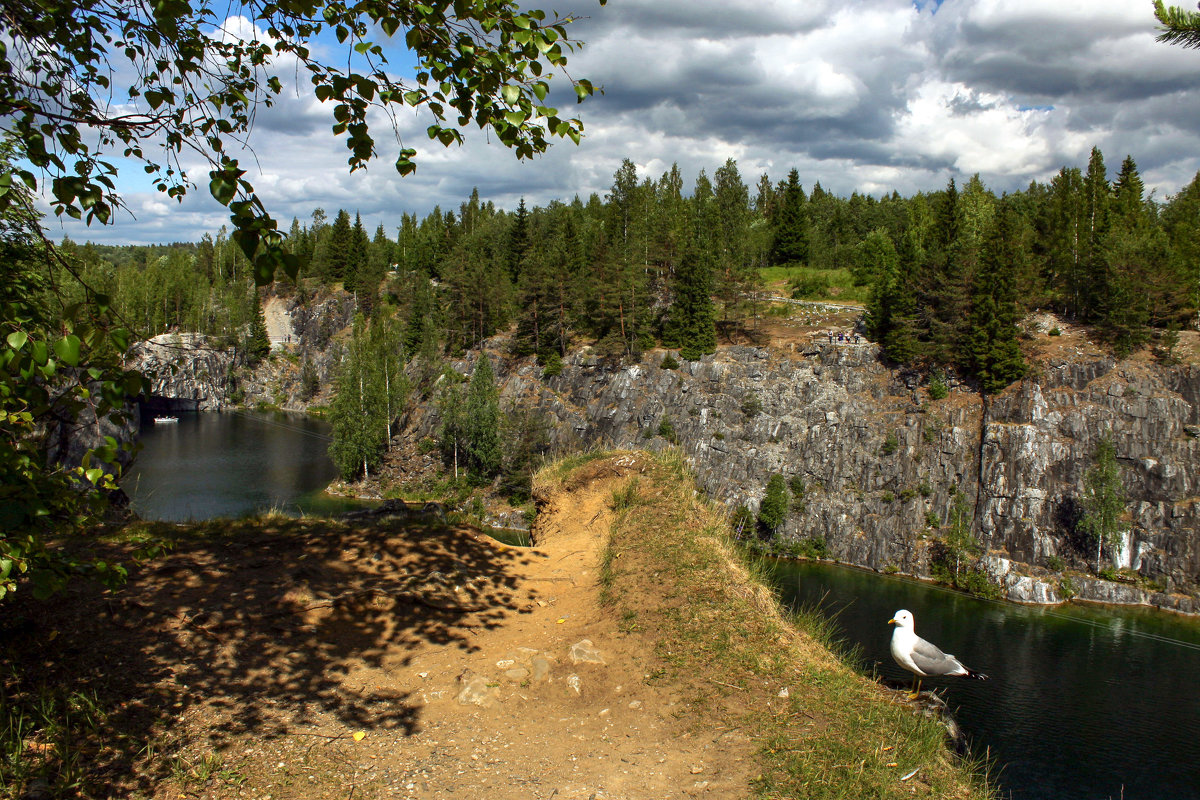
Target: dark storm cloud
<point x="672" y="19"/>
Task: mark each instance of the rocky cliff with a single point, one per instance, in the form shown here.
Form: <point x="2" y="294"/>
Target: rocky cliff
<point x="185" y="367"/>
<point x="190" y="372"/>
<point x="881" y="460"/>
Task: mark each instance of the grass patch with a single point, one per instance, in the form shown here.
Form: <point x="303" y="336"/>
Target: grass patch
<point x="48" y="737"/>
<point x="834" y="285"/>
<point x="721" y="640"/>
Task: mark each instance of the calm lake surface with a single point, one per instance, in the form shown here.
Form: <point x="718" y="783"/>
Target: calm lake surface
<point x="1082" y="702"/>
<point x="232" y="464"/>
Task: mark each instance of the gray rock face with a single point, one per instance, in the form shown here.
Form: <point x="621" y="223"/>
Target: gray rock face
<point x="185" y="366"/>
<point x="879" y="458"/>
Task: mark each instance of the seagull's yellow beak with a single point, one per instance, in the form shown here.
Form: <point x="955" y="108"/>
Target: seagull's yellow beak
<point x="892" y="621"/>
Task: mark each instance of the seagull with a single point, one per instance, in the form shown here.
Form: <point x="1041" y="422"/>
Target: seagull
<point x="920" y="657"/>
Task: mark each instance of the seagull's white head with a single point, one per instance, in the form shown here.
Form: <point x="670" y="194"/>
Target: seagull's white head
<point x="903" y="619"/>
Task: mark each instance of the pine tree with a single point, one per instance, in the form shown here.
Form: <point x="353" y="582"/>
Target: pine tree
<point x="628" y="225"/>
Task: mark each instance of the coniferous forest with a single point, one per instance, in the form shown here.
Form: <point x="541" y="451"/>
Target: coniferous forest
<point x="946" y="276"/>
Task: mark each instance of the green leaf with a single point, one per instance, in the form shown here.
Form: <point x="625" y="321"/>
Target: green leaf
<point x="67" y="350"/>
<point x="17" y="339"/>
<point x="511" y="94"/>
<point x="222" y="188"/>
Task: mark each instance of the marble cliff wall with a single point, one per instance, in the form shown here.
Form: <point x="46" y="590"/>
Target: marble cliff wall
<point x="826" y="413"/>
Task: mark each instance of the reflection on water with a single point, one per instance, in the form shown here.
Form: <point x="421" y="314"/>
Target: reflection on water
<point x="1083" y="702"/>
<point x="513" y="536"/>
<point x="232" y="464"/>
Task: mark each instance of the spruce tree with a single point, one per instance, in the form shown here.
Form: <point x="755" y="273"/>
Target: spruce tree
<point x="993" y="350"/>
<point x="258" y="345"/>
<point x="791" y="245"/>
<point x="730" y="238"/>
<point x="338" y="248"/>
<point x="690" y="321"/>
<point x="518" y="242"/>
<point x="950" y="271"/>
<point x="481" y="421"/>
<point x="361" y="278"/>
<point x="1096" y="201"/>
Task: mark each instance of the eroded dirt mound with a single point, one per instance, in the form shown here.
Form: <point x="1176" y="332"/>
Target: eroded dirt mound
<point x="304" y="659"/>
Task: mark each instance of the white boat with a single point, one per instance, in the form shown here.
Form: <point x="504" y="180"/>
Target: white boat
<point x="160" y="420"/>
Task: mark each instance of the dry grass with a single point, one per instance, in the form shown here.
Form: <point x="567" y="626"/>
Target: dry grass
<point x="722" y="641"/>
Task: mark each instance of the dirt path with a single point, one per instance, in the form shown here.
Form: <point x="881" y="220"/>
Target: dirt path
<point x="397" y="659"/>
<point x="551" y="701"/>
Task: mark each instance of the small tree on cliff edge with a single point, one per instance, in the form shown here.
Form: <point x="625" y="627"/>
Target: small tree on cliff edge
<point x="1103" y="498"/>
<point x="773" y="511"/>
<point x="258" y="345"/>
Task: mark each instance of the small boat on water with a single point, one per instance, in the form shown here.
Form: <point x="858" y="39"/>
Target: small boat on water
<point x="161" y="420"/>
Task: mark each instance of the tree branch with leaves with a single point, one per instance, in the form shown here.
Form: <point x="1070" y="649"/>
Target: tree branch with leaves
<point x="86" y="82"/>
<point x="1177" y="26"/>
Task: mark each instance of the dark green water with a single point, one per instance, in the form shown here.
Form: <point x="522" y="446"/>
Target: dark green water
<point x="1083" y="702"/>
<point x="233" y="464"/>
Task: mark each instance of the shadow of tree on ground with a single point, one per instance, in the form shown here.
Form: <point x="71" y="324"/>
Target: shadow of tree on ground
<point x="257" y="627"/>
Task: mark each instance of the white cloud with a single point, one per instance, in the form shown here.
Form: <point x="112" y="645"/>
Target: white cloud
<point x="871" y="95"/>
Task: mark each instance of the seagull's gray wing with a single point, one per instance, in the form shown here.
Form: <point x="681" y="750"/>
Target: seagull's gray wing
<point x="932" y="661"/>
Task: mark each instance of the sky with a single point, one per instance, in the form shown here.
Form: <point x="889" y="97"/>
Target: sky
<point x="860" y="95"/>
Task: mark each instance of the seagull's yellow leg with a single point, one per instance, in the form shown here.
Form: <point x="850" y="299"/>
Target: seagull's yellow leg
<point x="916" y="692"/>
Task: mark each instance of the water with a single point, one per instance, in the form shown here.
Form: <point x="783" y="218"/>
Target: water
<point x="1082" y="703"/>
<point x="233" y="464"/>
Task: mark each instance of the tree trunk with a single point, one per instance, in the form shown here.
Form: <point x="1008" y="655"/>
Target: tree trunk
<point x="387" y="387"/>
